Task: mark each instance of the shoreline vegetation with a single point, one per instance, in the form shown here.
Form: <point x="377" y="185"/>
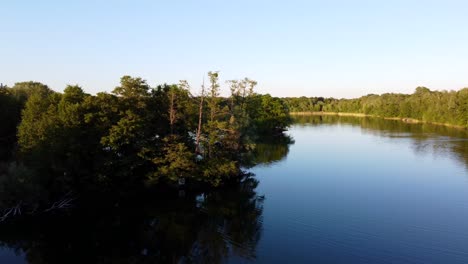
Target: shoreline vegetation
<point x="448" y="108"/>
<point x="402" y="119"/>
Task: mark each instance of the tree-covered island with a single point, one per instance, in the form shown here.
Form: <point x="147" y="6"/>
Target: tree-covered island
<point x="136" y="135"/>
<point x="154" y="173"/>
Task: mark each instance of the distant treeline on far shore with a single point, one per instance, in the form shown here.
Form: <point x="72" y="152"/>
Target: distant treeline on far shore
<point x="445" y="107"/>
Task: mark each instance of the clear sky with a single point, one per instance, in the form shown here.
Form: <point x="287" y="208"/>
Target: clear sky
<point x="292" y="48"/>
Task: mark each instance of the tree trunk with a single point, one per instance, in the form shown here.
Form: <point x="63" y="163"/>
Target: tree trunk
<point x="200" y="116"/>
<point x="172" y="112"/>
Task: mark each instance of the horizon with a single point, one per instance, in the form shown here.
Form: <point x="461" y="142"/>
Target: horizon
<point x="338" y="49"/>
<point x="224" y="90"/>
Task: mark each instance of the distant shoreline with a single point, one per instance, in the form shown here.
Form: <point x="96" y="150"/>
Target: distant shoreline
<point x="402" y="119"/>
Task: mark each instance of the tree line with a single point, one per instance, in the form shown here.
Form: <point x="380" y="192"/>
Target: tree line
<point x="135" y="134"/>
<point x="449" y="107"/>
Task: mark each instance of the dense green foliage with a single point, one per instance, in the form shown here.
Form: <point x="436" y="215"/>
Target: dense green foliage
<point x="12" y="101"/>
<point x="137" y="134"/>
<point x="424" y="104"/>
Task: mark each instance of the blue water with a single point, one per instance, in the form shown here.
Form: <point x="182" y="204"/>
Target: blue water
<point x="346" y="194"/>
<point x="8" y="255"/>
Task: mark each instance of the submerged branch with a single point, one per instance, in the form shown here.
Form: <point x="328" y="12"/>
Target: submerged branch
<point x="22" y="209"/>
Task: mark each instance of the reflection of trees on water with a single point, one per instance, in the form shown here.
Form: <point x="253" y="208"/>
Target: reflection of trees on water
<point x="143" y="228"/>
<point x="425" y="138"/>
<point x="268" y="150"/>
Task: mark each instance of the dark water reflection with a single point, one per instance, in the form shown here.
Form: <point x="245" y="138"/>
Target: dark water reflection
<point x="269" y="150"/>
<point x="149" y="228"/>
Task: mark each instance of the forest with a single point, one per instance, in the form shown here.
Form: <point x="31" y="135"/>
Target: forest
<point x="136" y="135"/>
<point x="445" y="107"/>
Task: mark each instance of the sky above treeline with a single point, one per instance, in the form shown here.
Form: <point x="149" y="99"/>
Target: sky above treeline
<point x="292" y="48"/>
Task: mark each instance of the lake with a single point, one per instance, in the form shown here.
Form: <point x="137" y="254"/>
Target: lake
<point x="366" y="191"/>
<point x="345" y="190"/>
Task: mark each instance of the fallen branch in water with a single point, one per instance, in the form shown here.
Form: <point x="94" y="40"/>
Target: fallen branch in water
<point x="64" y="203"/>
<point x="16" y="210"/>
<point x="61" y="204"/>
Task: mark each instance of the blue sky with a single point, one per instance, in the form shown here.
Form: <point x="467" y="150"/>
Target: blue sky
<point x="292" y="48"/>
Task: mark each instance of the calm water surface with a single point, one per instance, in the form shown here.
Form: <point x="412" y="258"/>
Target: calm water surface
<point x="367" y="191"/>
<point x="349" y="190"/>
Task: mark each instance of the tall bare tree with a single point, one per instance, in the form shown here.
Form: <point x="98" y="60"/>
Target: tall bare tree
<point x="200" y="117"/>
